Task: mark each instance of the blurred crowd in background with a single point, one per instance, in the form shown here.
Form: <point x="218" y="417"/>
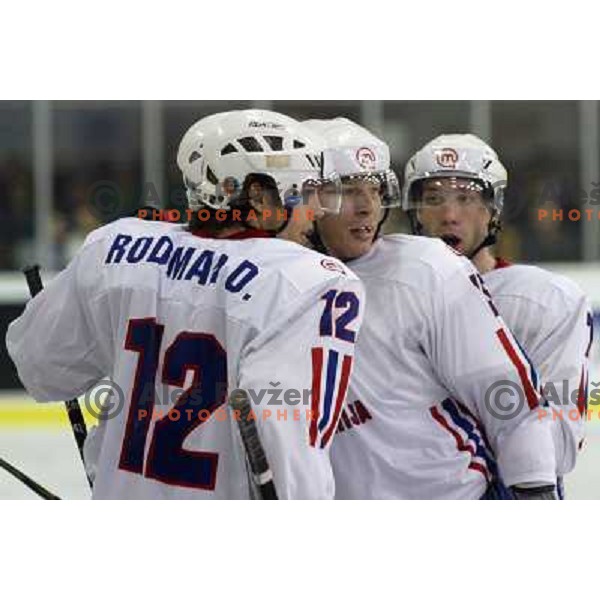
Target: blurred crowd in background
<point x="97" y="164"/>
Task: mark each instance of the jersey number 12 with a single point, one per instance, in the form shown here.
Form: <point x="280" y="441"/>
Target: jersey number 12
<point x="167" y="461"/>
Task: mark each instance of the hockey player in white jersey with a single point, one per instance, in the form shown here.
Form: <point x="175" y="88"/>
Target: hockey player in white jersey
<point x="179" y="316"/>
<point x="454" y="189"/>
<point x="441" y="402"/>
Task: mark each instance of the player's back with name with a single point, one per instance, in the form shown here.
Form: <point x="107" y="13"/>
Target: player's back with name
<point x="232" y="269"/>
<point x="156" y="302"/>
<point x="180" y="256"/>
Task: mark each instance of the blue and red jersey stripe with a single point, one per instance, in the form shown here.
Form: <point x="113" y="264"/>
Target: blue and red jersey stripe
<point x="468" y="434"/>
<point x="328" y="395"/>
<point x="528" y="379"/>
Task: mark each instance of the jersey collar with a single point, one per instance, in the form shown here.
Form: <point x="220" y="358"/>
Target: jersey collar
<point x="501" y="263"/>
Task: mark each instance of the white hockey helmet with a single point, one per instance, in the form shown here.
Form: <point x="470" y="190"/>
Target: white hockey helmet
<point x="456" y="155"/>
<point x="353" y="151"/>
<point x="218" y="153"/>
<point x="191" y="150"/>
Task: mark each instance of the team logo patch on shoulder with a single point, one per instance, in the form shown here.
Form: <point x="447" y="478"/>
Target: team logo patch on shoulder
<point x="446" y="158"/>
<point x="332" y="265"/>
<point x="366" y="159"/>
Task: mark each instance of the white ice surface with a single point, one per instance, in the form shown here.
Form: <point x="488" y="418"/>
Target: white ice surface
<point x="50" y="457"/>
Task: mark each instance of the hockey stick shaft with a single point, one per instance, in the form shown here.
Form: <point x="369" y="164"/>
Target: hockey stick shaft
<point x="78" y="426"/>
<point x="259" y="465"/>
<point x="34" y="486"/>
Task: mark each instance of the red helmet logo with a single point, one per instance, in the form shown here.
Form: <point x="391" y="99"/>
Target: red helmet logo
<point x="447" y="158"/>
<point x="366" y="158"/>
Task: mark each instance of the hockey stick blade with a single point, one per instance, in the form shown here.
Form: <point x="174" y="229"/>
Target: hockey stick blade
<point x="259" y="465"/>
<point x="34" y="486"/>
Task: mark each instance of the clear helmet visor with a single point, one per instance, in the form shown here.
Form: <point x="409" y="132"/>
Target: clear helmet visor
<point x="437" y="191"/>
<point x="328" y="193"/>
<point x="379" y="187"/>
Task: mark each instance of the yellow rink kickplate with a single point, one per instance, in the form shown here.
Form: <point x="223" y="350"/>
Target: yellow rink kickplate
<point x="27" y="413"/>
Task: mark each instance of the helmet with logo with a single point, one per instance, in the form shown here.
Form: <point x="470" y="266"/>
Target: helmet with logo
<point x="354" y="152"/>
<point x="456" y="155"/>
<point x="463" y="156"/>
<point x="357" y="156"/>
<point x="219" y="154"/>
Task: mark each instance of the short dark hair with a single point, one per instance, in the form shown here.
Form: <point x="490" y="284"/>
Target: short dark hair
<point x="241" y="202"/>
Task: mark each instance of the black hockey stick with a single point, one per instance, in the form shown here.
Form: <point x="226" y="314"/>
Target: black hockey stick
<point x="261" y="473"/>
<point x="40" y="490"/>
<point x="34" y="282"/>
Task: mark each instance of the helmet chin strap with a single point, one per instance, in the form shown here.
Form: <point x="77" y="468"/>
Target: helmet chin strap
<point x="386" y="214"/>
<point x="488" y="240"/>
<point x="491" y="238"/>
<point x="416" y="227"/>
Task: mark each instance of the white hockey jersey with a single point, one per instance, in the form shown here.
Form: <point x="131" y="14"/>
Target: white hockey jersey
<point x="551" y="318"/>
<point x="178" y="321"/>
<point x="442" y="399"/>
